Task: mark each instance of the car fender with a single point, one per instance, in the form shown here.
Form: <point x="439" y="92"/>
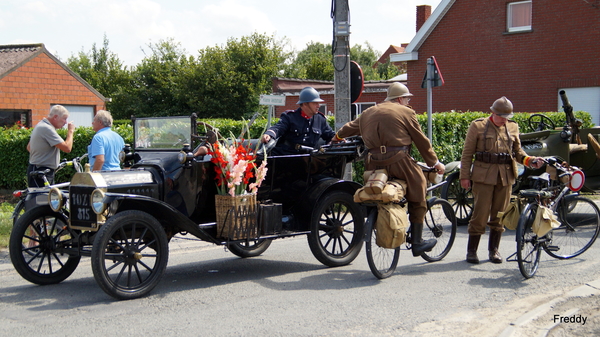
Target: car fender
<point x="166" y="214"/>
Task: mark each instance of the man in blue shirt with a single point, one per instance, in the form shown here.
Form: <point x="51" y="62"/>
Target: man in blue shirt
<point x="106" y="144"/>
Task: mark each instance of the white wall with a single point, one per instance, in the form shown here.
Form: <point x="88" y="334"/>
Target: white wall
<point x="80" y="114"/>
<point x="583" y="99"/>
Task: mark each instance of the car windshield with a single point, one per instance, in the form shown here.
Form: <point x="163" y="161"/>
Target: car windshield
<point x="162" y="132"/>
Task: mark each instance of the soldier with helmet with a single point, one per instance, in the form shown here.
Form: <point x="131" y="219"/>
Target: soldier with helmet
<point x="388" y="130"/>
<point x="488" y="166"/>
<point x="303" y="126"/>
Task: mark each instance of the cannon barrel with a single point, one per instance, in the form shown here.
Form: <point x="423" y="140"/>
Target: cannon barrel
<point x="572" y="122"/>
<point x="565" y="100"/>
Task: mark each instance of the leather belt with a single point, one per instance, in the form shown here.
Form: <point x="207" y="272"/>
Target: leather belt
<point x="493" y="158"/>
<point x="385" y="149"/>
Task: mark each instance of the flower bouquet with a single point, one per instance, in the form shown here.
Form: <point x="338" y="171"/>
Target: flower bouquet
<point x="238" y="179"/>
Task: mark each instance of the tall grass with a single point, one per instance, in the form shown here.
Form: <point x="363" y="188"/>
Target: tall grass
<point x="6" y="210"/>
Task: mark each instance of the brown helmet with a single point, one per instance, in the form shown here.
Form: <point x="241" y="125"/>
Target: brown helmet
<point x="396" y="90"/>
<point x="502" y="107"/>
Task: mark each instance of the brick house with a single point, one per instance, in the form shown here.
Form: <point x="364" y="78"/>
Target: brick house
<point x="374" y="92"/>
<point x="525" y="50"/>
<point x="32" y="80"/>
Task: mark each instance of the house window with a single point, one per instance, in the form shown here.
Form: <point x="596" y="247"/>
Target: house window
<point x="358" y="108"/>
<point x="519" y="16"/>
<point x="9" y="118"/>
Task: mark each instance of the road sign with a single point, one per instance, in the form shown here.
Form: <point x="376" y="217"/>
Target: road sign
<point x="436" y="78"/>
<point x="278" y="100"/>
<point x="357" y="83"/>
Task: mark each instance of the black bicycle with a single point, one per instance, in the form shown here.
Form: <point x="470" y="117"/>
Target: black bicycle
<point x="440" y="224"/>
<point x="578" y="217"/>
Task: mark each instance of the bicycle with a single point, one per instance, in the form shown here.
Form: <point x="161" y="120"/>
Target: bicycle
<point x="578" y="216"/>
<point x="440" y="224"/>
<point x="42" y="174"/>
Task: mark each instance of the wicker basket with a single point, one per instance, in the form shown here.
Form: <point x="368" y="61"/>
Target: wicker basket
<point x="236" y="216"/>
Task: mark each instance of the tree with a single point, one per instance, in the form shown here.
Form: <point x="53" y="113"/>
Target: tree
<point x="228" y="81"/>
<point x="314" y="62"/>
<point x="103" y="70"/>
<point x="157" y="82"/>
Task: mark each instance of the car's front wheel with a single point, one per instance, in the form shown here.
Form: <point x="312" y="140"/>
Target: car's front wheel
<point x="41" y="246"/>
<point x="337" y="228"/>
<point x="130" y="254"/>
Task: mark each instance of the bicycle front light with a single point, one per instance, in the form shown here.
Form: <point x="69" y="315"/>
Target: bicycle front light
<point x="56" y="199"/>
<point x="97" y="198"/>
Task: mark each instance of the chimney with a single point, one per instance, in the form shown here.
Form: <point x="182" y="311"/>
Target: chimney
<point x="423" y="13"/>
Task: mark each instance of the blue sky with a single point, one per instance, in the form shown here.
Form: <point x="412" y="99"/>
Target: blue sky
<point x="67" y="27"/>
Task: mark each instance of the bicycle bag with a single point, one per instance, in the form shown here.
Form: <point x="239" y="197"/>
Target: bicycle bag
<point x="393" y="191"/>
<point x="391" y="225"/>
<point x="510" y="217"/>
<point x="544" y="221"/>
<point x="375" y="181"/>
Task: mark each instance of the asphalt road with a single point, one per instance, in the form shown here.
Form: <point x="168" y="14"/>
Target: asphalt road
<point x="207" y="291"/>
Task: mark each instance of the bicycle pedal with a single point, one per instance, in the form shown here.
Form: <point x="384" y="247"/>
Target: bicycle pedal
<point x="553" y="248"/>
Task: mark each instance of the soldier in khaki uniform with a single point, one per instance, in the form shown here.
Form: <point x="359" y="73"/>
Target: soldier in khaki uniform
<point x="388" y="131"/>
<point x="492" y="149"/>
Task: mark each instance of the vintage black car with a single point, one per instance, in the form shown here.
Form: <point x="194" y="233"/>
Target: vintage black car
<point x="125" y="219"/>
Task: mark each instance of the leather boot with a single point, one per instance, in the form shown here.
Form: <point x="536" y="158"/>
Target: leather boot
<point x="472" y="248"/>
<point x="420" y="246"/>
<point x="493" y="245"/>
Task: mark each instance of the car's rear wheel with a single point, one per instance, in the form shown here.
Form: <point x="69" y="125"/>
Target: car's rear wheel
<point x="337" y="229"/>
<point x="130" y="254"/>
<point x="249" y="248"/>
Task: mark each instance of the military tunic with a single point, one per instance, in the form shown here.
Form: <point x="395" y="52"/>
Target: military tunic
<point x="491" y="182"/>
<point x="295" y="127"/>
<point x="394" y="125"/>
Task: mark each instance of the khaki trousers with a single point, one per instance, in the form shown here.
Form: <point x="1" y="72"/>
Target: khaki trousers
<point x="488" y="201"/>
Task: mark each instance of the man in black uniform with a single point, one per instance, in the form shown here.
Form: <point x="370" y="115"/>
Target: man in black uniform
<point x="303" y="126"/>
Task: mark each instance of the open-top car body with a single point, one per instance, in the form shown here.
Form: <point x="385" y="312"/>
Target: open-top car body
<point x="124" y="219"/>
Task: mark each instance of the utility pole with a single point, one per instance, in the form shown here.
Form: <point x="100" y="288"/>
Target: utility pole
<point x="341" y="64"/>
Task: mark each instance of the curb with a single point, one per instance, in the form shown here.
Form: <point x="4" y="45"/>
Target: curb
<point x="588" y="289"/>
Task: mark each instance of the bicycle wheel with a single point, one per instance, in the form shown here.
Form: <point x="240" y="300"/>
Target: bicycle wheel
<point x="440" y="224"/>
<point x="382" y="261"/>
<point x="579" y="226"/>
<point x="528" y="247"/>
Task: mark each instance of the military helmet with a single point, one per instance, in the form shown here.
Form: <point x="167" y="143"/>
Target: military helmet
<point x="309" y="94"/>
<point x="502" y="107"/>
<point x="396" y="90"/>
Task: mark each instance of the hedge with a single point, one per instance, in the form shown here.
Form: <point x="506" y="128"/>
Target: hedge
<point x="449" y="130"/>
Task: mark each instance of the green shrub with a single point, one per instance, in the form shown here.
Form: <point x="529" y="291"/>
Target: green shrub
<point x="449" y="130"/>
<point x="13" y="150"/>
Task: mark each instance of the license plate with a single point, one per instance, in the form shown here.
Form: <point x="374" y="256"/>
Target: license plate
<point x="81" y="208"/>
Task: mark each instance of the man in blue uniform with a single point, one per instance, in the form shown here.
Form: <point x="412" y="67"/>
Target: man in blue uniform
<point x="303" y="126"/>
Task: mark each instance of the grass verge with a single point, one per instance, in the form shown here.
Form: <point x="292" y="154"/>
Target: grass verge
<point x="6" y="210"/>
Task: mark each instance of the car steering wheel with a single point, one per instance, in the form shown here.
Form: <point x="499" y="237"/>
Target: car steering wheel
<point x="539" y="122"/>
<point x="265" y="147"/>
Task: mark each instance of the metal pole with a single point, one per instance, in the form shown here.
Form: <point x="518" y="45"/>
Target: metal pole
<point x="271" y="112"/>
<point x="430" y="69"/>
